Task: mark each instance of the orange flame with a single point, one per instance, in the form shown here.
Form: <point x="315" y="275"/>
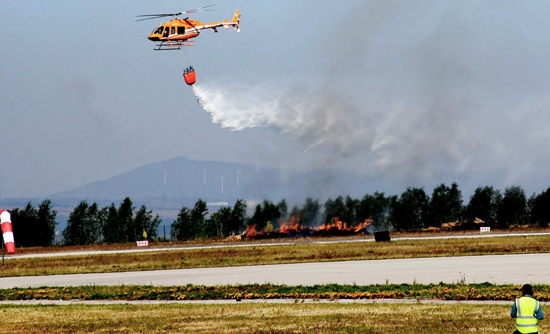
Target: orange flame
<point x="336" y="223"/>
<point x="251" y="231"/>
<point x="294" y="225"/>
<point x="363" y="225"/>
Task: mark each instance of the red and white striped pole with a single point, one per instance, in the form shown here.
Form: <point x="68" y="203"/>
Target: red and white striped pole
<point x="7" y="231"/>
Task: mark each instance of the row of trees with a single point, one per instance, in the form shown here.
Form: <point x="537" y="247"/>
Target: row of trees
<point x="413" y="209"/>
<point x="32" y="226"/>
<point x="192" y="223"/>
<point x="89" y="224"/>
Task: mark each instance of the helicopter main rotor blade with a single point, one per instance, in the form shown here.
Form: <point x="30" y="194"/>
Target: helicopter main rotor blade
<point x="155" y="16"/>
<point x="200" y="9"/>
<point x="161" y="15"/>
<point x="191" y="11"/>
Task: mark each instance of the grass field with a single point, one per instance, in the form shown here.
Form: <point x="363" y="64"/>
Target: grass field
<point x="295" y="317"/>
<point x="260" y="318"/>
<point x="214" y="241"/>
<point x="257" y="255"/>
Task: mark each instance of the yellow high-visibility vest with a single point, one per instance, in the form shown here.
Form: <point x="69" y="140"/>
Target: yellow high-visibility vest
<point x="526" y="309"/>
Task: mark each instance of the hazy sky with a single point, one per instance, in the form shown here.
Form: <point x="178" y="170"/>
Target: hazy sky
<point x="405" y="87"/>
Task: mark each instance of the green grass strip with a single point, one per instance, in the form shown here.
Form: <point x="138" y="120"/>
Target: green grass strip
<point x="443" y="291"/>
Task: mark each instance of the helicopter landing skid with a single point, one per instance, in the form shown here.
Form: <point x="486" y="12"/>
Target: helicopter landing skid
<point x="171" y="45"/>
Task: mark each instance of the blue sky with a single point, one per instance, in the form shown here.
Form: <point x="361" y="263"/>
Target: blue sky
<point x="405" y="87"/>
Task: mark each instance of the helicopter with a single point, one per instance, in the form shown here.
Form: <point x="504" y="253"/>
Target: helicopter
<point x="176" y="33"/>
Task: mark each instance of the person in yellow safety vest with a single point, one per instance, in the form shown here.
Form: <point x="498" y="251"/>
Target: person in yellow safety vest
<point x="527" y="312"/>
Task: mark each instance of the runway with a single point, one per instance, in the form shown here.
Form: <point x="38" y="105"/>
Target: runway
<point x="498" y="269"/>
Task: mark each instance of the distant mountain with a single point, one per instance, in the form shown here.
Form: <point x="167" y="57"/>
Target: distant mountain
<point x="177" y="180"/>
<point x="169" y="185"/>
<point x="166" y="186"/>
<point x="173" y="183"/>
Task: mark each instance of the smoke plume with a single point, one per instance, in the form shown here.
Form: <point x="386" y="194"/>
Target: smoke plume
<point x="461" y="93"/>
<point x="320" y="120"/>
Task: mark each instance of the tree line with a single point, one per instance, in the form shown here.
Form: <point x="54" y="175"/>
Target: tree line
<point x="88" y="224"/>
<point x="193" y="223"/>
<point x="414" y="209"/>
<point x="32" y="226"/>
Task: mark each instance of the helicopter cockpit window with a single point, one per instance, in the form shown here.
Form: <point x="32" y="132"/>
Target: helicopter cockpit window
<point x="173" y="30"/>
<point x="166" y="31"/>
<point x="157" y="30"/>
<point x="181" y="30"/>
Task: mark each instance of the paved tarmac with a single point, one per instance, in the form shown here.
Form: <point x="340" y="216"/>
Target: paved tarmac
<point x="499" y="269"/>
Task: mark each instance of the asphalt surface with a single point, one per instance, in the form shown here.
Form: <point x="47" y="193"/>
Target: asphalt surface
<point x="498" y="269"/>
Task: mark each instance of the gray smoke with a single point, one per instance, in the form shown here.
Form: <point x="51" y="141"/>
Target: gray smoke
<point x="420" y="87"/>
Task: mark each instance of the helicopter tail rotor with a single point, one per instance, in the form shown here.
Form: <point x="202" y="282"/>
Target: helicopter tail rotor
<point x="235" y="22"/>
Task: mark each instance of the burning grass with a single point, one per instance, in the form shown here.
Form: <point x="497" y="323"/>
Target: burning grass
<point x="293" y="229"/>
<point x="260" y="318"/>
<point x="260" y="255"/>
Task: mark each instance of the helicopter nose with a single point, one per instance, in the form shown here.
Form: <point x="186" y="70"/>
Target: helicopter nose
<point x="153" y="38"/>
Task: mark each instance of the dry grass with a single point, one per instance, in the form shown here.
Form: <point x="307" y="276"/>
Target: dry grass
<point x="256" y="255"/>
<point x="260" y="318"/>
<point x="197" y="242"/>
